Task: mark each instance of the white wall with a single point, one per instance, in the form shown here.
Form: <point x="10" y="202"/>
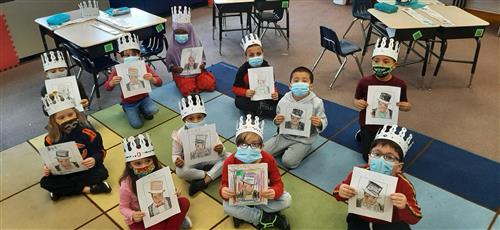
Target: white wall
<point x="482" y="5"/>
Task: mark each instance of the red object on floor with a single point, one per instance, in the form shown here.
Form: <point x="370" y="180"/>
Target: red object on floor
<point x="210" y="2"/>
<point x="8" y="54"/>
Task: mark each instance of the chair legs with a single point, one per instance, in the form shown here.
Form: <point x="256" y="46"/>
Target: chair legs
<point x="359" y="65"/>
<point x="317" y="60"/>
<point x="338" y="72"/>
<point x="349" y="28"/>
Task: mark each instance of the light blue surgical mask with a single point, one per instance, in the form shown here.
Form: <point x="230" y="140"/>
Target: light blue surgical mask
<point x="130" y="59"/>
<point x="380" y="165"/>
<point x="181" y="38"/>
<point x="191" y="125"/>
<point x="300" y="89"/>
<point x="256" y="61"/>
<point x="247" y="155"/>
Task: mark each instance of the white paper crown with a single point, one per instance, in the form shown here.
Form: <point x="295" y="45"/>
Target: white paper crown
<point x="387" y="47"/>
<point x="89" y="8"/>
<point x="181" y="14"/>
<point x="249" y="125"/>
<point x="128" y="41"/>
<point x="188" y="106"/>
<point x="54" y="102"/>
<point x="139" y="147"/>
<point x="249" y="40"/>
<point x="52" y="60"/>
<point x="398" y="138"/>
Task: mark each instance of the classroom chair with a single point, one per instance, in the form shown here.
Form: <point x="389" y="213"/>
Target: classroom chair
<point x="360" y="12"/>
<point x="152" y="48"/>
<point x="459" y="3"/>
<point x="267" y="11"/>
<point x="341" y="48"/>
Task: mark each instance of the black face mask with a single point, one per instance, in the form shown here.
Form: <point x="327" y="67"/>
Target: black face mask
<point x="68" y="126"/>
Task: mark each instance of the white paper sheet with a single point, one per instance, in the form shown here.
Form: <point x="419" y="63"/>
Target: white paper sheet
<point x="63" y="158"/>
<point x="262" y="81"/>
<point x="378" y="111"/>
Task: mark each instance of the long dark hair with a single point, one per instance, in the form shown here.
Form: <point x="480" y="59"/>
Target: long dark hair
<point x="129" y="172"/>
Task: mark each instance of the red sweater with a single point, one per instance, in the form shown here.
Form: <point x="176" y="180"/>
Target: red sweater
<point x="273" y="173"/>
<point x="411" y="214"/>
<point x="135" y="98"/>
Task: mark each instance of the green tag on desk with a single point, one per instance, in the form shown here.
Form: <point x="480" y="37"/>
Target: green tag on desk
<point x="108" y="47"/>
<point x="159" y="28"/>
<point x="479" y="33"/>
<point x="417" y="35"/>
<point x="284" y="4"/>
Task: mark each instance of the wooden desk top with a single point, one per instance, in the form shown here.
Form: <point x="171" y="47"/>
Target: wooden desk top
<point x="459" y="17"/>
<point x="84" y="34"/>
<point x="399" y="20"/>
<point x="232" y="1"/>
<point x="137" y="19"/>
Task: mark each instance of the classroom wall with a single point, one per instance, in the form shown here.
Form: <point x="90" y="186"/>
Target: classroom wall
<point x="492" y="6"/>
<point x="21" y="15"/>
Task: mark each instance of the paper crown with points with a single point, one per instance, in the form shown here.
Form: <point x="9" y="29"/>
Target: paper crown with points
<point x="135" y="148"/>
<point x="250" y="40"/>
<point x="89" y="8"/>
<point x="128" y="41"/>
<point x="400" y="138"/>
<point x="387" y="47"/>
<point x="250" y="125"/>
<point x="57" y="101"/>
<point x="52" y="60"/>
<point x="191" y="104"/>
<point x="181" y="14"/>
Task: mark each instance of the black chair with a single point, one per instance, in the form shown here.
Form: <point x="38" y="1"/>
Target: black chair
<point x="360" y="12"/>
<point x="152" y="48"/>
<point x="341" y="48"/>
<point x="93" y="66"/>
<point x="459" y="3"/>
<point x="272" y="11"/>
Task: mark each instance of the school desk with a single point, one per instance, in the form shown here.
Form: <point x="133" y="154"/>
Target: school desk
<point x="231" y="8"/>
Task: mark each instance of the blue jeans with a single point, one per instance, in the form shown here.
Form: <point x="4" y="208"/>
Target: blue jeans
<point x="252" y="214"/>
<point x="146" y="106"/>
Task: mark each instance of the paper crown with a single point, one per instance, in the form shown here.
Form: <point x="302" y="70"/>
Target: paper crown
<point x="249" y="40"/>
<point x="250" y="125"/>
<point x="156" y="186"/>
<point x="191" y="104"/>
<point x="139" y="147"/>
<point x="57" y="101"/>
<point x="373" y="189"/>
<point x="385" y="97"/>
<point x="89" y="8"/>
<point x="389" y="133"/>
<point x="128" y="41"/>
<point x="181" y="14"/>
<point x="387" y="47"/>
<point x="52" y="60"/>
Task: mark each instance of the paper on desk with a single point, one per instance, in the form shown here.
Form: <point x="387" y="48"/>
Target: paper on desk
<point x="116" y="22"/>
<point x="422" y="19"/>
<point x="444" y="21"/>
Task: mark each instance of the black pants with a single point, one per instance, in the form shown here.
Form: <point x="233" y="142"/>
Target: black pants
<point x="72" y="184"/>
<point x="367" y="137"/>
<point x="264" y="108"/>
<point x="356" y="223"/>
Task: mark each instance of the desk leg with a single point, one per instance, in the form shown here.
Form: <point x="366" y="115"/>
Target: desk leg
<point x="220" y="31"/>
<point x="241" y="24"/>
<point x="426" y="57"/>
<point x="249" y="21"/>
<point x="474" y="62"/>
<point x="213" y="20"/>
<point x="367" y="41"/>
<point x="44" y="41"/>
<point x="442" y="51"/>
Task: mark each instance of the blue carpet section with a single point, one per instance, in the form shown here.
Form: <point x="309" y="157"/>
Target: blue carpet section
<point x="169" y="96"/>
<point x="458" y="171"/>
<point x="461" y="172"/>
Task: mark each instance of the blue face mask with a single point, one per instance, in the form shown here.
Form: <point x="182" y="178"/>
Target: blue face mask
<point x="380" y="165"/>
<point x="247" y="155"/>
<point x="191" y="125"/>
<point x="256" y="61"/>
<point x="130" y="59"/>
<point x="181" y="38"/>
<point x="300" y="89"/>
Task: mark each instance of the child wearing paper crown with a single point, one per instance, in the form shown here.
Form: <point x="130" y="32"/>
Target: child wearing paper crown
<point x="249" y="143"/>
<point x="254" y="53"/>
<point x="386" y="156"/>
<point x="54" y="67"/>
<point x="67" y="124"/>
<point x="200" y="175"/>
<point x="137" y="166"/>
<point x="295" y="148"/>
<point x="384" y="60"/>
<point x="142" y="104"/>
<point x="184" y="36"/>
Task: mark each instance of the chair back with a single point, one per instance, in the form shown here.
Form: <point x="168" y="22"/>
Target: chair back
<point x="459" y="3"/>
<point x="80" y="58"/>
<point x="274" y="5"/>
<point x="329" y="39"/>
<point x="154" y="45"/>
<point x="360" y="8"/>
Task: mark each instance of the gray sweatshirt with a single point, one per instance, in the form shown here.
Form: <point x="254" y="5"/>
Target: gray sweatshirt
<point x="318" y="110"/>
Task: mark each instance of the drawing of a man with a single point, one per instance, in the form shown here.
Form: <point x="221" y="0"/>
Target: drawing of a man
<point x="248" y="192"/>
<point x="370" y="198"/>
<point x="201" y="149"/>
<point x="262" y="88"/>
<point x="64" y="160"/>
<point x="134" y="83"/>
<point x="160" y="202"/>
<point x="295" y="122"/>
<point x="191" y="64"/>
<point x="382" y="110"/>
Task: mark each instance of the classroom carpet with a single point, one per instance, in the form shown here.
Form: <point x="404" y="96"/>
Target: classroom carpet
<point x="447" y="179"/>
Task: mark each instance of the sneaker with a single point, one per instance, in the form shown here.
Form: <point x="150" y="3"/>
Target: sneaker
<point x="273" y="220"/>
<point x="186" y="223"/>
<point x="196" y="186"/>
<point x="148" y="117"/>
<point x="102" y="187"/>
<point x="237" y="222"/>
<point x="54" y="196"/>
<point x="357" y="136"/>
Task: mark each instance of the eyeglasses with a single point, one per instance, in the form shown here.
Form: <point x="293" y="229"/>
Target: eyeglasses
<point x="387" y="156"/>
<point x="252" y="146"/>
